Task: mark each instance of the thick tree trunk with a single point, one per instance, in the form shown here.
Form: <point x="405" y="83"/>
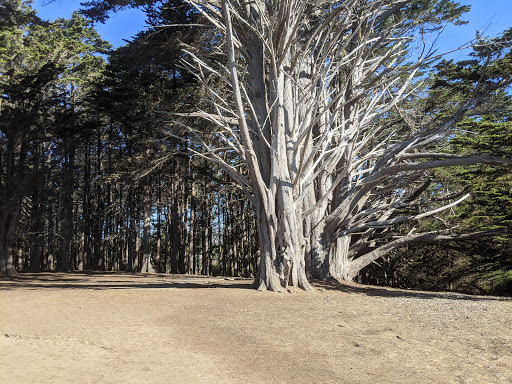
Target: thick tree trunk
<point x="267" y="276"/>
<point x="340" y="264"/>
<point x="282" y="257"/>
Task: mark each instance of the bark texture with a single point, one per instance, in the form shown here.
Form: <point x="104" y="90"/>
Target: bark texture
<point x="318" y="120"/>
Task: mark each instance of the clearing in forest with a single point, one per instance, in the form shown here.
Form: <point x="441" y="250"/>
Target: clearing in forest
<point x="132" y="328"/>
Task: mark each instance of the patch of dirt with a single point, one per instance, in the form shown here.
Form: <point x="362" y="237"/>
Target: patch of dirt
<point x="124" y="328"/>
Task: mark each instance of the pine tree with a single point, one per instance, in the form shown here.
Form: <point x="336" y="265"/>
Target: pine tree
<point x="47" y="67"/>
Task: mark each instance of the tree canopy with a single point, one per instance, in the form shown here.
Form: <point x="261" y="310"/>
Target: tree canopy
<point x="325" y="125"/>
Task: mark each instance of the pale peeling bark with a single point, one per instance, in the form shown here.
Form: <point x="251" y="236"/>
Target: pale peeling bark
<point x="340" y="263"/>
<point x="310" y="84"/>
<point x="268" y="276"/>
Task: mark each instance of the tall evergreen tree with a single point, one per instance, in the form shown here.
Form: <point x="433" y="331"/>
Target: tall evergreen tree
<point x="23" y="79"/>
<point x="46" y="67"/>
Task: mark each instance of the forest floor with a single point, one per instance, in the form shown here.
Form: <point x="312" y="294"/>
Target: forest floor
<point x="125" y="328"/>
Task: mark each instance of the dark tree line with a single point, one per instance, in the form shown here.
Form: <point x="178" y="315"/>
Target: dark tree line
<point x="90" y="178"/>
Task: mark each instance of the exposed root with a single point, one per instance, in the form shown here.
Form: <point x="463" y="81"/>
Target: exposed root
<point x="262" y="285"/>
<point x="305" y="285"/>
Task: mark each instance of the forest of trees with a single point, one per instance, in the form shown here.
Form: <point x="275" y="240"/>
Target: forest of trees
<point x="279" y="140"/>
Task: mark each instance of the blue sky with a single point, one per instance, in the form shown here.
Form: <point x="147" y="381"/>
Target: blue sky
<point x="120" y="26"/>
<point x="488" y="16"/>
<point x="491" y="17"/>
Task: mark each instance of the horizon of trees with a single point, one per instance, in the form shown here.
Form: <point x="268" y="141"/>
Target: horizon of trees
<point x="101" y="171"/>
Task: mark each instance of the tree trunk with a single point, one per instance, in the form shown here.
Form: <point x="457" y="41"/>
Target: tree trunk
<point x="10" y="201"/>
<point x="191" y="243"/>
<point x="137" y="243"/>
<point x="183" y="218"/>
<point x="36" y="237"/>
<point x="205" y="229"/>
<point x="67" y="211"/>
<point x="224" y="250"/>
<point x="99" y="214"/>
<point x="146" y="266"/>
<point x="86" y="211"/>
<point x="339" y="260"/>
<point x="131" y="231"/>
<point x="267" y="276"/>
<point x="158" y="259"/>
<point x="175" y="227"/>
<point x="6" y="262"/>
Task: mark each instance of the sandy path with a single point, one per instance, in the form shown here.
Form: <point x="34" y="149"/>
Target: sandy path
<point x="115" y="328"/>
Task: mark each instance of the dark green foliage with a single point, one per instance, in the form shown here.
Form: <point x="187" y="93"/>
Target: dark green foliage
<point x="430" y="15"/>
<point x="86" y="151"/>
<point x="490" y="207"/>
<point x="99" y="9"/>
<point x="47" y="68"/>
<point x="476" y="266"/>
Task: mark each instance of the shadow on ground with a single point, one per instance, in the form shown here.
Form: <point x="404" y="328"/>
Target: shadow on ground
<point x="117" y="280"/>
<point x="399" y="293"/>
<point x="126" y="280"/>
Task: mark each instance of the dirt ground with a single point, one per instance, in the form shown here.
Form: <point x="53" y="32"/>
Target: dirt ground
<point x="124" y="328"/>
